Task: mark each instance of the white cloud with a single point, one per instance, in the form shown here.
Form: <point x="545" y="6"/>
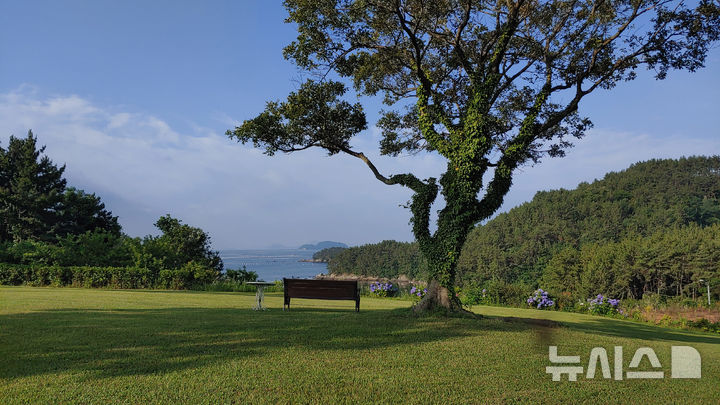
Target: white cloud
<point x="143" y="168"/>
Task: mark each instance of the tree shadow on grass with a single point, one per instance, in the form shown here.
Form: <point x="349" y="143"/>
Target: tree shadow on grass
<point x="126" y="342"/>
<point x="109" y="343"/>
<point x="629" y="329"/>
<point x="621" y="328"/>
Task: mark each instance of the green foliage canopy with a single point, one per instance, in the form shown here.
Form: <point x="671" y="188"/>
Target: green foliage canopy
<point x="35" y="203"/>
<point x="647" y="198"/>
<point x="31" y="190"/>
<point x="385" y="259"/>
<point x="178" y="245"/>
<point x="327" y="254"/>
<point x="495" y="85"/>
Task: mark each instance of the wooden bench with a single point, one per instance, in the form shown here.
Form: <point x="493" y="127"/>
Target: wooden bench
<point x="321" y="289"/>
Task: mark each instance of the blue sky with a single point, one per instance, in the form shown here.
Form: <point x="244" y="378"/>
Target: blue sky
<point x="134" y="97"/>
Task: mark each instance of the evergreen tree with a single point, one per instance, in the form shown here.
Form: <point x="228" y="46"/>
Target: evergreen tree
<point x="80" y="212"/>
<point x="31" y="190"/>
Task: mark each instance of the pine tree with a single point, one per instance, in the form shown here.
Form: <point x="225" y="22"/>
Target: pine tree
<point x="81" y="212"/>
<point x="31" y="190"/>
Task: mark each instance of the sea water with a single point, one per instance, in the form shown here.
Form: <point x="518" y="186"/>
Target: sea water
<point x="274" y="264"/>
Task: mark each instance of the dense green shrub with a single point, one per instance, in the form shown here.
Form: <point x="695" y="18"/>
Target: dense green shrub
<point x="513" y="294"/>
<point x="471" y="295"/>
<point x="495" y="292"/>
<point x="565" y="301"/>
<point x="241" y="275"/>
<point x="704" y="324"/>
<point x="179" y="245"/>
<point x="236" y="286"/>
<point x="191" y="275"/>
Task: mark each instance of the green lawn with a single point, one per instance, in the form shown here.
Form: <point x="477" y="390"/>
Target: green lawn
<point x="69" y="345"/>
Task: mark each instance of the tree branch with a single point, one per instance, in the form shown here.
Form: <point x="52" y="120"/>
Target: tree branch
<point x="513" y="155"/>
<point x="429" y="115"/>
<point x="425" y="195"/>
<point x="407" y="180"/>
<point x="370" y="164"/>
<point x="458" y="35"/>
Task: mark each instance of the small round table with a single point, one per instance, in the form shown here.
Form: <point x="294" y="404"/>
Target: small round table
<point x="260" y="294"/>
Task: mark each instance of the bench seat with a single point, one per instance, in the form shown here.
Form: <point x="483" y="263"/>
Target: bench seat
<point x="320" y="289"/>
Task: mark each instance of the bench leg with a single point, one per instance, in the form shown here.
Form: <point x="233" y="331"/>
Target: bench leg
<point x="357" y="305"/>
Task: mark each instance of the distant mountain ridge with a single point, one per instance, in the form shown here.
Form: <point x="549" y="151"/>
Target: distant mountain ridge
<point x="322" y="245"/>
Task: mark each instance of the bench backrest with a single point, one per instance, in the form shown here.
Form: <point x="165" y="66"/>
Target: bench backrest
<point x="324" y="289"/>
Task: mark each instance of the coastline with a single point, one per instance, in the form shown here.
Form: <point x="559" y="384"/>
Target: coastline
<point x="401" y="280"/>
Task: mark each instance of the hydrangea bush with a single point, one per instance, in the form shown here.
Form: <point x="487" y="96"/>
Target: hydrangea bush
<point x="379" y="289"/>
<point x="601" y="305"/>
<point x="540" y="300"/>
<point x="418" y="292"/>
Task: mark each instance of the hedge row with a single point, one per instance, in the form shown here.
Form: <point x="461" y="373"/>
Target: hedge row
<point x="105" y="277"/>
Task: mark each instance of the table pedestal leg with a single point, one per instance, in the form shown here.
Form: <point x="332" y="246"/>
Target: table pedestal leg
<point x="259" y="298"/>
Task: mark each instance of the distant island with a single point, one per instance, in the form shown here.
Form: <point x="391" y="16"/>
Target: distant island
<point x="325" y="255"/>
<point x="322" y="245"/>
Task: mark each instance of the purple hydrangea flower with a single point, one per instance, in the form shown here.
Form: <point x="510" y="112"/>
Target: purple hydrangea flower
<point x="540" y="299"/>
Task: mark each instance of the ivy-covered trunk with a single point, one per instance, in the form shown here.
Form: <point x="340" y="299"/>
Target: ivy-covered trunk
<point x="441" y="285"/>
<point x="442" y="249"/>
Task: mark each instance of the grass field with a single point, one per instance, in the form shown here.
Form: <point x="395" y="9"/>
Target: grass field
<point x="69" y="345"/>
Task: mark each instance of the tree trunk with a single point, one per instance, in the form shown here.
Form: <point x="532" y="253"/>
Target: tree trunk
<point x="442" y="257"/>
<point x="439" y="297"/>
<point x="454" y="223"/>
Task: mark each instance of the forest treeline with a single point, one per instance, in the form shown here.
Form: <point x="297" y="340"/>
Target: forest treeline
<point x="385" y="259"/>
<point x="51" y="233"/>
<point x="324" y="255"/>
<point x="654" y="227"/>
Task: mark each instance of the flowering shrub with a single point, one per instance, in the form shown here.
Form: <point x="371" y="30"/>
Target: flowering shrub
<point x="418" y="292"/>
<point x="379" y="289"/>
<point x="603" y="306"/>
<point x="540" y="299"/>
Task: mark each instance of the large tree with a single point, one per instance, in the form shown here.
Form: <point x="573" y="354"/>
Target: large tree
<point x="81" y="212"/>
<point x="31" y="190"/>
<point x="492" y="85"/>
<point x="178" y="245"/>
<point x="35" y="203"/>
